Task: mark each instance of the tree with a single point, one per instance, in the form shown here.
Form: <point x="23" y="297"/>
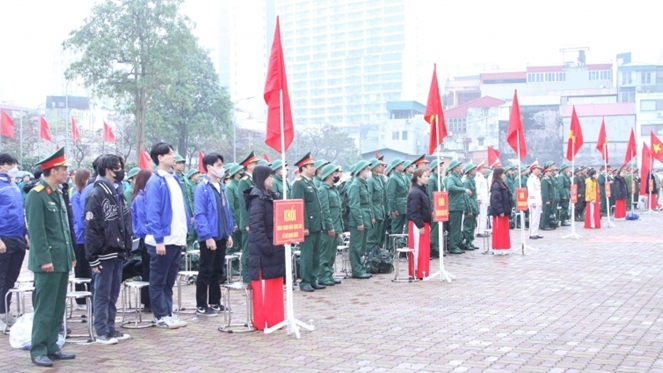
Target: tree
<point x="193" y="109"/>
<point x="326" y="142"/>
<point x="131" y="49"/>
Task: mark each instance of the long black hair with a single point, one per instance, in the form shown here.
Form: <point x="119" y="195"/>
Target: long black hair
<point x="497" y="175"/>
<point x="260" y="174"/>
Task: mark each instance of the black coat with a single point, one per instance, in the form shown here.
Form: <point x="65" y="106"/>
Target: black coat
<point x="419" y="208"/>
<point x="265" y="260"/>
<point x="620" y="188"/>
<point x="500" y="199"/>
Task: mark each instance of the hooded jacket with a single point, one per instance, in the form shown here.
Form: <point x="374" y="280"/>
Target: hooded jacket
<point x="265" y="260"/>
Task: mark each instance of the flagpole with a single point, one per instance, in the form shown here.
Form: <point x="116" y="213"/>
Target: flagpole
<point x="290" y="321"/>
<point x="573" y="205"/>
<point x="632" y="188"/>
<point x="444" y="275"/>
<point x="649" y="177"/>
<point x="607" y="185"/>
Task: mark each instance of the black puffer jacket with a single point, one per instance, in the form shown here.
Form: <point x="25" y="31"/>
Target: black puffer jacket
<point x="500" y="199"/>
<point x="265" y="260"/>
<point x="419" y="209"/>
<point x="620" y="188"/>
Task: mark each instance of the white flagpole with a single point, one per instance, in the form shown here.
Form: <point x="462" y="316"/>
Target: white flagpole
<point x="572" y="205"/>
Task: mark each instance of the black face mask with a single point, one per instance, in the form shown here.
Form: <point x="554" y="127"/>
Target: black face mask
<point x="119" y="175"/>
<point x="336" y="179"/>
<point x="241" y="175"/>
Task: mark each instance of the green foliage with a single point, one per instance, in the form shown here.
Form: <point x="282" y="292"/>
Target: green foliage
<point x="324" y="142"/>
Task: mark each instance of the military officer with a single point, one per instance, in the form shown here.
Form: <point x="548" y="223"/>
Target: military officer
<point x="421" y="163"/>
<point x="51" y="257"/>
<point x="319" y="164"/>
<point x="361" y="219"/>
<point x="330" y="203"/>
<point x="564" y="191"/>
<point x="472" y="209"/>
<point x="431" y="188"/>
<point x="245" y="183"/>
<point x="277" y="185"/>
<point x="397" y="190"/>
<point x="457" y="204"/>
<point x="547" y="198"/>
<point x="303" y="188"/>
<point x="376" y="188"/>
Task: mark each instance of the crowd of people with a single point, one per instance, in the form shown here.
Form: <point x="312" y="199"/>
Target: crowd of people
<point x="102" y="224"/>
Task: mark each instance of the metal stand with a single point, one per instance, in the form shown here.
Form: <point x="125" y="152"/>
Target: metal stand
<point x="523" y="245"/>
<point x="88" y="302"/>
<point x="487" y="237"/>
<point x="137" y="322"/>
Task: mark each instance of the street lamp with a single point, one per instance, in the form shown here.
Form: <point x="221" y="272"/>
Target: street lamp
<point x="235" y="126"/>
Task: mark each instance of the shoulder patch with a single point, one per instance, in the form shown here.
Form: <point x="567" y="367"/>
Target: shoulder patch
<point x="89" y="216"/>
<point x="245" y="177"/>
<point x="38" y="188"/>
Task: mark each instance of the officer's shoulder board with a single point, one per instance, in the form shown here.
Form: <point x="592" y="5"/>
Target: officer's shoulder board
<point x="298" y="178"/>
<point x="245" y="177"/>
<point x="38" y="188"/>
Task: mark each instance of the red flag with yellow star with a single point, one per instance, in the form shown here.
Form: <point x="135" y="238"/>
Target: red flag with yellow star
<point x="575" y="137"/>
<point x="656" y="148"/>
<point x="435" y="115"/>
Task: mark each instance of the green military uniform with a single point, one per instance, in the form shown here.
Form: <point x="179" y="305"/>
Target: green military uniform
<point x="457" y="205"/>
<point x="277" y="185"/>
<point x="319" y="164"/>
<point x="556" y="199"/>
<point x="397" y="190"/>
<point x="564" y="192"/>
<point x="50" y="242"/>
<point x="431" y="188"/>
<point x="361" y="214"/>
<point x="234" y="200"/>
<point x="547" y="200"/>
<point x="129" y="190"/>
<point x="245" y="183"/>
<point x="303" y="188"/>
<point x="330" y="204"/>
<point x="376" y="189"/>
<point x="189" y="189"/>
<point x="602" y="181"/>
<point x="472" y="209"/>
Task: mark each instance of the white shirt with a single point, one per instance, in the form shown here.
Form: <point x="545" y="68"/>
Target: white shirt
<point x="533" y="190"/>
<point x="179" y="225"/>
<point x="482" y="188"/>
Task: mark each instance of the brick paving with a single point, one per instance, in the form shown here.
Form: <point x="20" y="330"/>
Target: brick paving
<point x="588" y="305"/>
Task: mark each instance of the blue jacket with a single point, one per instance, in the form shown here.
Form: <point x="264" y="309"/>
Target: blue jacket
<point x="206" y="216"/>
<point x="12" y="219"/>
<point x="158" y="207"/>
<point x="139" y="215"/>
<point x="78" y="209"/>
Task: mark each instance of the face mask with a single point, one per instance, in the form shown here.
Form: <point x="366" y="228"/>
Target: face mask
<point x="119" y="175"/>
<point x="241" y="175"/>
<point x="220" y="172"/>
<point x="13" y="172"/>
<point x="336" y="179"/>
<point x="368" y="175"/>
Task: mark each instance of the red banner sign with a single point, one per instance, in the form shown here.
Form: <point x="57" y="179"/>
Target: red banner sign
<point x="574" y="193"/>
<point x="440" y="206"/>
<point x="288" y="221"/>
<point x="521" y="199"/>
<point x="608" y="189"/>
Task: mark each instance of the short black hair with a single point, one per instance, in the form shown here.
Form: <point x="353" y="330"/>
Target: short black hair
<point x="107" y="162"/>
<point x="210" y="159"/>
<point x="95" y="163"/>
<point x="37" y="172"/>
<point x="7" y="158"/>
<point x="160" y="148"/>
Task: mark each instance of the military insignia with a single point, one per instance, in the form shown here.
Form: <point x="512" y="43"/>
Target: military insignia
<point x="48" y="191"/>
<point x="89" y="216"/>
<point x="38" y="188"/>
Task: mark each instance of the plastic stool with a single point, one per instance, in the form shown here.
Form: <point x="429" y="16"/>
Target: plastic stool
<point x="71" y="296"/>
<point x="246" y="326"/>
<point x="20" y="292"/>
<point x="137" y="322"/>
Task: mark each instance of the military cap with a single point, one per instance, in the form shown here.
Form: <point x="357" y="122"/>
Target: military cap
<point x="263" y="162"/>
<point x="251" y="158"/>
<point x="320" y="164"/>
<point x="305" y="161"/>
<point x="374" y="163"/>
<point x="54" y="160"/>
<point x="179" y="159"/>
<point x="433" y="164"/>
<point x="328" y="170"/>
<point x="276" y="165"/>
<point x="420" y="160"/>
<point x="481" y="164"/>
<point x="453" y="164"/>
<point x="534" y="166"/>
<point x="232" y="171"/>
<point x="132" y="173"/>
<point x="230" y="165"/>
<point x="361" y="165"/>
<point x="469" y="167"/>
<point x="395" y="162"/>
<point x="351" y="169"/>
<point x="564" y="166"/>
<point x="407" y="164"/>
<point x="191" y="172"/>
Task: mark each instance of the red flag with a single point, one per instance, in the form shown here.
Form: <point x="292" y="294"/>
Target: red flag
<point x="265" y="157"/>
<point x="493" y="157"/>
<point x="377" y="155"/>
<point x="44" y="133"/>
<point x="515" y="135"/>
<point x="630" y="149"/>
<point x="144" y="161"/>
<point x="602" y="143"/>
<point x="434" y="115"/>
<point x="7" y="124"/>
<point x="575" y="137"/>
<point x="201" y="167"/>
<point x="109" y="136"/>
<point x="74" y="131"/>
<point x="656" y="147"/>
<point x="276" y="88"/>
<point x="646" y="166"/>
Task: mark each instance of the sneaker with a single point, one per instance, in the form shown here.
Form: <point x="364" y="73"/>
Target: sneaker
<point x="120" y="336"/>
<point x="206" y="311"/>
<point x="81" y="307"/>
<point x="217" y="307"/>
<point x="176" y="322"/>
<point x="106" y="340"/>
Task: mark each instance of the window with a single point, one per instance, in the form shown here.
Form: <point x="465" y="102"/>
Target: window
<point x="626" y="94"/>
<point x="395" y="135"/>
<point x="593" y="75"/>
<point x="606" y="75"/>
<point x="647" y="105"/>
<point x="404" y="135"/>
<point x="627" y="78"/>
<point x="645" y="78"/>
<point x="561" y="77"/>
<point x="659" y="77"/>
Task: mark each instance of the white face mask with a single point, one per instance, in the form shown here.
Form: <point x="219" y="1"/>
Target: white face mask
<point x="220" y="172"/>
<point x="13" y="172"/>
<point x="368" y="175"/>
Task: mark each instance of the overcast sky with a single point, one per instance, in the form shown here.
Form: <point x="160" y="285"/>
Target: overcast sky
<point x="509" y="34"/>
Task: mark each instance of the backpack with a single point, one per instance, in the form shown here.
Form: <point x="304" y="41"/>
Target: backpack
<point x="379" y="260"/>
<point x="632" y="216"/>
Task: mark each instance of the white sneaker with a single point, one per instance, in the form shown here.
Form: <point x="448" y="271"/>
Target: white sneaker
<point x="120" y="336"/>
<point x="167" y="322"/>
<point x="176" y="321"/>
<point x="106" y="340"/>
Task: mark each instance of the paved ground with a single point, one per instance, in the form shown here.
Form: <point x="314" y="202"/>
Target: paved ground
<point x="587" y="305"/>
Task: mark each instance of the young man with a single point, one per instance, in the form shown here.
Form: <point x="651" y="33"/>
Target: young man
<point x="482" y="198"/>
<point x="166" y="228"/>
<point x="534" y="200"/>
<point x="214" y="226"/>
<point x="397" y="190"/>
<point x="51" y="258"/>
<point x="376" y="188"/>
<point x="13" y="235"/>
<point x="245" y="183"/>
<point x="330" y="203"/>
<point x="361" y="219"/>
<point x="108" y="239"/>
<point x="458" y="195"/>
<point x="472" y="208"/>
<point x="277" y="186"/>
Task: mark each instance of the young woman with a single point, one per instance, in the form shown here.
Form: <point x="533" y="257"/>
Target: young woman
<point x="500" y="210"/>
<point x="419" y="214"/>
<point x="82" y="269"/>
<point x="593" y="199"/>
<point x="138" y="221"/>
<point x="266" y="261"/>
<point x="620" y="194"/>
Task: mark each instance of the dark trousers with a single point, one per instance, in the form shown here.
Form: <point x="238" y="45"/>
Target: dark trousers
<point x="145" y="274"/>
<point x="10" y="266"/>
<point x="455" y="229"/>
<point x="163" y="273"/>
<point x="211" y="274"/>
<point x="106" y="290"/>
<point x="82" y="270"/>
<point x="49" y="303"/>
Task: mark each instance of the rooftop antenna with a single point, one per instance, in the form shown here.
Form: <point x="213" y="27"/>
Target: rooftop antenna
<point x="574" y="57"/>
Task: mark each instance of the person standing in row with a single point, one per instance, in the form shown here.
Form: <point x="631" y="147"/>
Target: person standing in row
<point x="361" y="219"/>
<point x="500" y="208"/>
<point x="245" y="183"/>
<point x="481" y="182"/>
<point x="472" y="208"/>
<point x="592" y="198"/>
<point x="277" y="186"/>
<point x="397" y="190"/>
<point x="621" y="193"/>
<point x="138" y="222"/>
<point x="547" y="198"/>
<point x="534" y="200"/>
<point x="235" y="174"/>
<point x="457" y="205"/>
<point x="564" y="192"/>
<point x="376" y="189"/>
<point x="419" y="214"/>
<point x="330" y="203"/>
